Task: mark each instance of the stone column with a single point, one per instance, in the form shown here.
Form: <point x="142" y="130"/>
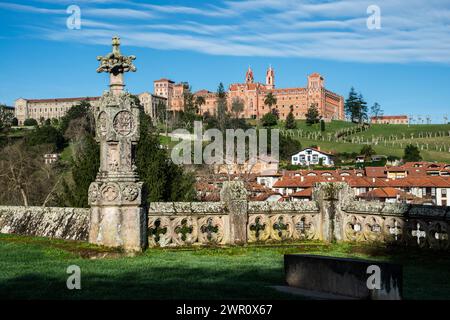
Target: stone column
<point x="332" y="197"/>
<point x="118" y="218"/>
<point x="234" y="195"/>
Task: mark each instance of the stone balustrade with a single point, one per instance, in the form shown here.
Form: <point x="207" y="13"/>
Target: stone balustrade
<point x="333" y="215"/>
<point x="412" y="225"/>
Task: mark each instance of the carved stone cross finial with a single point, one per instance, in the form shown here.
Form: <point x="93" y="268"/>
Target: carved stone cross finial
<point x="116" y="45"/>
<point x="116" y="64"/>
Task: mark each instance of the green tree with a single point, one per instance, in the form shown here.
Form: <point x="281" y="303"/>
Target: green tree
<point x="270" y="100"/>
<point x="6" y="118"/>
<point x="237" y="106"/>
<point x="163" y="180"/>
<point x="362" y="109"/>
<point x="30" y="122"/>
<point x="46" y="134"/>
<point x="222" y="107"/>
<point x="411" y="154"/>
<point x="84" y="167"/>
<point x="82" y="110"/>
<point x="290" y="120"/>
<point x="367" y="151"/>
<point x="376" y="110"/>
<point x="269" y="120"/>
<point x="322" y="125"/>
<point x="352" y="105"/>
<point x="312" y="115"/>
<point x="15" y="122"/>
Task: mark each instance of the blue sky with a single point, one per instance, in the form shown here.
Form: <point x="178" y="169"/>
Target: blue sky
<point x="405" y="65"/>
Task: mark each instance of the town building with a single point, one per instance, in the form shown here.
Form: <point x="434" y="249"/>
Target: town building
<point x="419" y="184"/>
<point x="402" y="119"/>
<point x="311" y="157"/>
<point x="51" y="158"/>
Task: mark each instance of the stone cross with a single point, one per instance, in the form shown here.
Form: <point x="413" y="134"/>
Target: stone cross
<point x="117" y="215"/>
<point x="418" y="233"/>
<point x="395" y="230"/>
<point x="116" y="64"/>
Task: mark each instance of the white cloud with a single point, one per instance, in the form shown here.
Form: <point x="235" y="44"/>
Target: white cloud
<point x="413" y="32"/>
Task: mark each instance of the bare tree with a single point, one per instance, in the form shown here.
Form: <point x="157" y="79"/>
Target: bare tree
<point x="25" y="178"/>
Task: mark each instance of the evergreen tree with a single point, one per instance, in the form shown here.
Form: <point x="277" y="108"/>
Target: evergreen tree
<point x="290" y="120"/>
<point x="362" y="114"/>
<point x="222" y="107"/>
<point x="84" y="167"/>
<point x="82" y="110"/>
<point x="367" y="151"/>
<point x="46" y="134"/>
<point x="312" y="115"/>
<point x="269" y="120"/>
<point x="322" y="125"/>
<point x="163" y="180"/>
<point x="352" y="106"/>
<point x="411" y="154"/>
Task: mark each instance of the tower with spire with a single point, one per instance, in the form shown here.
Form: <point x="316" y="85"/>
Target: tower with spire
<point x="249" y="75"/>
<point x="270" y="78"/>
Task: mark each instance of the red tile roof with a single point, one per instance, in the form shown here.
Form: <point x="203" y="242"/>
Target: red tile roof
<point x="63" y="99"/>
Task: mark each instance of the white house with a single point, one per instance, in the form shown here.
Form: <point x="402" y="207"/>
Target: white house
<point x="312" y="156"/>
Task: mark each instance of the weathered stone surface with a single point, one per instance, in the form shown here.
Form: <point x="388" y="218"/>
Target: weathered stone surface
<point x="342" y="276"/>
<point x="234" y="194"/>
<point x="63" y="223"/>
<point x="284" y="207"/>
<point x="185" y="208"/>
<point x="118" y="218"/>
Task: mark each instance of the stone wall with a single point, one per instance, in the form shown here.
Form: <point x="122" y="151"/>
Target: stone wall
<point x="333" y="215"/>
<point x="411" y="225"/>
<point x="63" y="223"/>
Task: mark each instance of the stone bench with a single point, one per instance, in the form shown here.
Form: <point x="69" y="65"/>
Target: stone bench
<point x="343" y="277"/>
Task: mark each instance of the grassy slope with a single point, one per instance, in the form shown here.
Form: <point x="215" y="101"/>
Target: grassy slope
<point x="36" y="268"/>
<point x="379" y="130"/>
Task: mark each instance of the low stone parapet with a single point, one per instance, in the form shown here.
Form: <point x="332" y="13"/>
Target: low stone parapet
<point x="63" y="223"/>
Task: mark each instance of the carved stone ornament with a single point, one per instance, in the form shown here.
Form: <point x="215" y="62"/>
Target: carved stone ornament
<point x="130" y="192"/>
<point x="110" y="192"/>
<point x="103" y="123"/>
<point x="123" y="123"/>
<point x="115" y="62"/>
<point x="93" y="193"/>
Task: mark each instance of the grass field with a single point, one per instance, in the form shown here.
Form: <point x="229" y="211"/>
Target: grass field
<point x="380" y="130"/>
<point x="35" y="268"/>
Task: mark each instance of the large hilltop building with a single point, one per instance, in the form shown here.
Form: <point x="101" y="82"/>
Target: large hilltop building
<point x="253" y="94"/>
<point x="43" y="109"/>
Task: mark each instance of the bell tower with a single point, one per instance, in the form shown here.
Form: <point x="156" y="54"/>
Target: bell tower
<point x="270" y="78"/>
<point x="249" y="76"/>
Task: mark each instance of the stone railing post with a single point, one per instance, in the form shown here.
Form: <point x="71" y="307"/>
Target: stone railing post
<point x="331" y="198"/>
<point x="234" y="195"/>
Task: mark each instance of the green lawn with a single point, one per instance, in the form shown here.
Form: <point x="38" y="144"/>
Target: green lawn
<point x="387" y="130"/>
<point x="338" y="147"/>
<point x="36" y="268"/>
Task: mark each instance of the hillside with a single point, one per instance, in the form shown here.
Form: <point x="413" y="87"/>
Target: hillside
<point x="433" y="140"/>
